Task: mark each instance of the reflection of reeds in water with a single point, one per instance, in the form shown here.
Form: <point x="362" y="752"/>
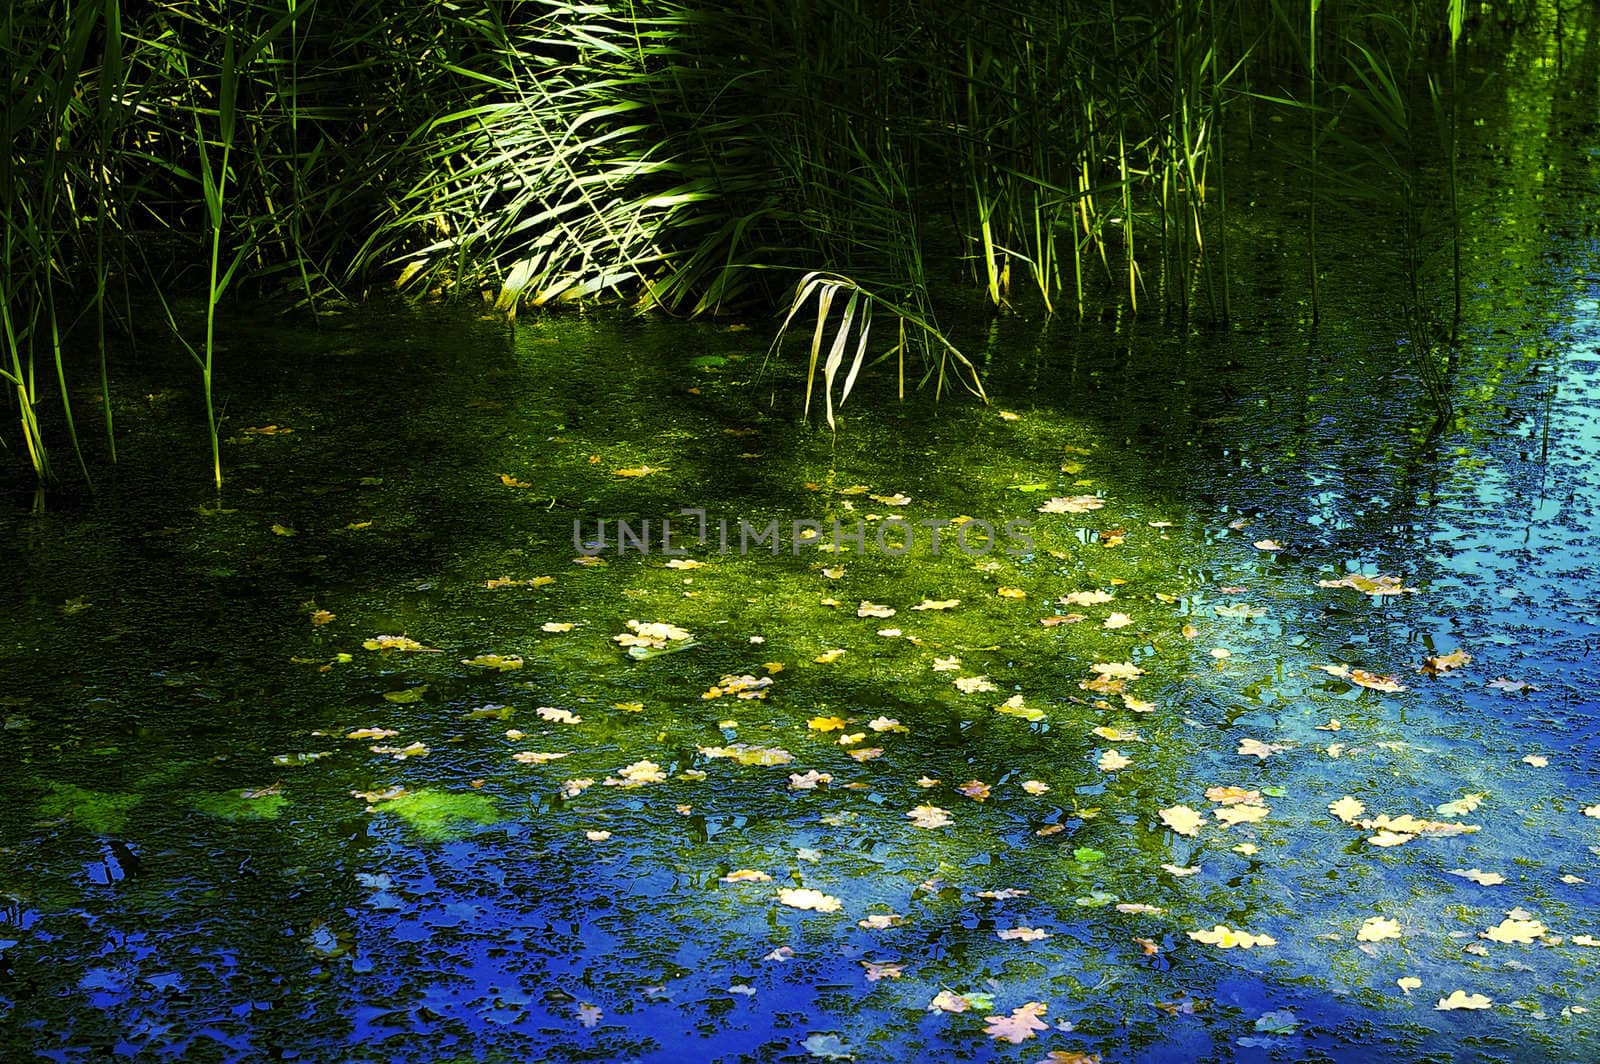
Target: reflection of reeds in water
<point x="694" y="157"/>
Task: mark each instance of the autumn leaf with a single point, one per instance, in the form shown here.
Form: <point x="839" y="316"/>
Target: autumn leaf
<point x="320" y="618"/>
<point x="1377" y="929"/>
<point x="1460" y="999"/>
<point x="1117" y="620"/>
<point x="1385" y="839"/>
<point x="1022" y="934"/>
<point x="1020" y="1026"/>
<point x="1120" y="670"/>
<point x="806" y="898"/>
<point x="1347" y="808"/>
<point x="977" y="790"/>
<point x="826" y="724"/>
<point x="745" y="754"/>
<point x="1517" y="927"/>
<point x="536" y="757"/>
<point x="872" y="609"/>
<point x="1374" y="682"/>
<point x="1259" y="749"/>
<point x="880" y="921"/>
<point x="1011" y="592"/>
<point x="637" y="471"/>
<point x="637" y="775"/>
<point x="876" y="970"/>
<point x="1478" y="876"/>
<point x="1014" y="707"/>
<point x="1182" y="819"/>
<point x="400" y="643"/>
<point x="1232" y="795"/>
<point x="1510" y="686"/>
<point x="1443" y="663"/>
<point x="1086" y="598"/>
<point x="685" y="564"/>
<point x="745" y="875"/>
<point x="498" y="662"/>
<point x="828" y="657"/>
<point x="1224" y="937"/>
<point x="1370" y="585"/>
<point x="886" y="724"/>
<point x="1267" y="545"/>
<point x="372" y="733"/>
<point x="1241" y="814"/>
<point x="1111" y="761"/>
<point x="589" y="1015"/>
<point x="1463" y="805"/>
<point x="556" y="626"/>
<point x="950" y="664"/>
<point x="809" y="780"/>
<point x="937" y="604"/>
<point x="557" y="716"/>
<point x="1117" y="735"/>
<point x="1073" y="504"/>
<point x="1035" y="787"/>
<point x="930" y="816"/>
<point x="972" y="685"/>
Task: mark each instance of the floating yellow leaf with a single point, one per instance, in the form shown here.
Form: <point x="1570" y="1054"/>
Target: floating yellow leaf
<point x="556" y="626"/>
<point x="1377" y="929"/>
<point x="1120" y="670"/>
<point x="638" y="774"/>
<point x="536" y="757"/>
<point x="977" y="790"/>
<point x="1386" y="839"/>
<point x="1111" y="761"/>
<point x="320" y="618"/>
<point x="372" y="733"/>
<point x="1267" y="545"/>
<point x="637" y="471"/>
<point x="745" y="875"/>
<point x="1022" y="934"/>
<point x="1138" y="705"/>
<point x="1347" y="808"/>
<point x="1020" y="1025"/>
<point x="879" y="921"/>
<point x="685" y="564"/>
<point x="1086" y="598"/>
<point x="872" y="609"/>
<point x="1011" y="592"/>
<point x="1182" y="819"/>
<point x="1117" y="735"/>
<point x="937" y="604"/>
<point x="1374" y="682"/>
<point x="929" y="816"/>
<point x="1479" y="876"/>
<point x="1257" y="748"/>
<point x="1071" y="504"/>
<point x="867" y="753"/>
<point x="401" y="753"/>
<point x="1014" y="707"/>
<point x="1513" y="930"/>
<point x="1117" y="620"/>
<point x="806" y="898"/>
<point x="1241" y="814"/>
<point x="1408" y="983"/>
<point x="1035" y="787"/>
<point x="1460" y="999"/>
<point x="1224" y="937"/>
<point x="397" y="642"/>
<point x="498" y="662"/>
<point x="950" y="664"/>
<point x="1536" y="760"/>
<point x="948" y="1001"/>
<point x="1462" y="806"/>
<point x="744" y="686"/>
<point x="826" y="724"/>
<point x="1369" y="585"/>
<point x="973" y="684"/>
<point x="1442" y="663"/>
<point x="597" y="836"/>
<point x="748" y="755"/>
<point x="828" y="657"/>
<point x="1232" y="795"/>
<point x="886" y="724"/>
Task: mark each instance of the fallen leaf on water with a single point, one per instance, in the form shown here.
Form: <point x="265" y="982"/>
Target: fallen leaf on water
<point x="1035" y="787"/>
<point x="372" y="733"/>
<point x="1536" y="760"/>
<point x="828" y="1047"/>
<point x="929" y="816"/>
<point x="597" y="836"/>
<point x="557" y="716"/>
<point x="826" y="724"/>
<point x="1267" y="545"/>
<point x="880" y="921"/>
<point x="1020" y="1026"/>
<point x="948" y="1001"/>
<point x="972" y="685"/>
<point x="1232" y="795"/>
<point x="867" y="753"/>
<point x="745" y="754"/>
<point x="745" y="875"/>
<point x="1179" y="870"/>
<point x="1224" y="937"/>
<point x="1117" y="620"/>
<point x="498" y="662"/>
<point x="1370" y="585"/>
<point x="1463" y="805"/>
<point x="1373" y="682"/>
<point x="872" y="609"/>
<point x="401" y="753"/>
<point x="828" y="657"/>
<point x="1086" y="598"/>
<point x="1445" y="662"/>
<point x="876" y="970"/>
<point x="1111" y="761"/>
<point x="1408" y="983"/>
<point x="637" y="471"/>
<point x="556" y="626"/>
<point x="1460" y="999"/>
<point x="806" y="898"/>
<point x="937" y="604"/>
<point x="536" y="757"/>
<point x="809" y="780"/>
<point x="1071" y="504"/>
<point x="1241" y="814"/>
<point x="637" y="775"/>
<point x="897" y="499"/>
<point x="1022" y="934"/>
<point x="1011" y="592"/>
<point x="977" y="790"/>
<point x="1478" y="876"/>
<point x="1182" y="819"/>
<point x="1121" y="670"/>
<point x="320" y="618"/>
<point x="1377" y="929"/>
<point x="589" y="1015"/>
<point x="1386" y="839"/>
<point x="745" y="687"/>
<point x="1516" y="687"/>
<point x="400" y="643"/>
<point x="886" y="724"/>
<point x="1347" y="808"/>
<point x="1515" y="928"/>
<point x="1014" y="707"/>
<point x="1257" y="748"/>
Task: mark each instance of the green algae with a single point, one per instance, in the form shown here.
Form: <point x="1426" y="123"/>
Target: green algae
<point x="102" y="812"/>
<point x="439" y="816"/>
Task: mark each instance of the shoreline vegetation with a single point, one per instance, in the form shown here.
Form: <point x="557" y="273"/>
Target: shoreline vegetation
<point x="836" y="161"/>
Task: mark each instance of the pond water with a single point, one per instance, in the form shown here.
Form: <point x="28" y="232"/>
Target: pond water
<point x="350" y="763"/>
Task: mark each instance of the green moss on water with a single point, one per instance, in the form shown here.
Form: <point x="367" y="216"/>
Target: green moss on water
<point x="441" y="815"/>
<point x="232" y="805"/>
<point x="102" y="812"/>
